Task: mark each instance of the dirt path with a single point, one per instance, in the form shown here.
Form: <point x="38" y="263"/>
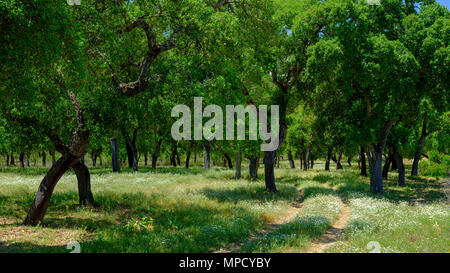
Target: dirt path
<point x="332" y="235"/>
<point x="293" y="210"/>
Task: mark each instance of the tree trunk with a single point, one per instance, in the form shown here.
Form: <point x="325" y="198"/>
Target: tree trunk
<point x="115" y="155"/>
<point x="308" y="152"/>
<point x="7" y="160"/>
<point x="52" y="153"/>
<point x="178" y="157"/>
<point x="146" y="159"/>
<point x="376" y="177"/>
<point x="401" y="168"/>
<point x="21" y="160"/>
<point x="327" y="161"/>
<point x="12" y="162"/>
<point x="269" y="161"/>
<point x="387" y="164"/>
<point x="84" y="184"/>
<point x="291" y="160"/>
<point x="130" y="144"/>
<point x="253" y="168"/>
<point x="375" y="157"/>
<point x="338" y="162"/>
<point x="349" y="161"/>
<point x="156" y="154"/>
<point x="94" y="157"/>
<point x="188" y="157"/>
<point x="40" y="204"/>
<point x="418" y="154"/>
<point x="363" y="162"/>
<point x="207" y="155"/>
<point x="44" y="159"/>
<point x="238" y="165"/>
<point x="312" y="161"/>
<point x="228" y="161"/>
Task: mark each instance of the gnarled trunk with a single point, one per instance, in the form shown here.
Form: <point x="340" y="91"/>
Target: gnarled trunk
<point x="291" y="160"/>
<point x="115" y="155"/>
<point x="40" y="203"/>
<point x="418" y="154"/>
<point x="84" y="184"/>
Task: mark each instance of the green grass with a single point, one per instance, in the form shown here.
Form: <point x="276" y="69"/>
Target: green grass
<point x="180" y="210"/>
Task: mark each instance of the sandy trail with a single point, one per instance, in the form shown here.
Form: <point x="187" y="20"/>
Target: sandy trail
<point x="333" y="233"/>
<point x="292" y="212"/>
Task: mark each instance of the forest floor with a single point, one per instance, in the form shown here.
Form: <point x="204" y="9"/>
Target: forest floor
<point x="180" y="210"/>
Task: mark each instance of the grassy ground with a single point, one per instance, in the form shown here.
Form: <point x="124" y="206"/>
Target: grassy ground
<point x="179" y="210"/>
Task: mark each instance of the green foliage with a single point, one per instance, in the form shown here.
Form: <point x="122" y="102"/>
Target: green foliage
<point x="437" y="165"/>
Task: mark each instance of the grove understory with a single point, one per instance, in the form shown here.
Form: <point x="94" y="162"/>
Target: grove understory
<point x="196" y="210"/>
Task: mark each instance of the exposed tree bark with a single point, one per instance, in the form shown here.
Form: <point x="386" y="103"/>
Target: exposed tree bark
<point x="253" y="167"/>
<point x="207" y="155"/>
<point x="375" y="158"/>
<point x="349" y="161"/>
<point x="312" y="161"/>
<point x="40" y="204"/>
<point x="115" y="155"/>
<point x="70" y="155"/>
<point x="7" y="160"/>
<point x="84" y="184"/>
<point x="363" y="162"/>
<point x="291" y="160"/>
<point x="418" y="154"/>
<point x="145" y="159"/>
<point x="21" y="160"/>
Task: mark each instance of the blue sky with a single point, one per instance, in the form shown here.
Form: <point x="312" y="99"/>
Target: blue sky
<point x="444" y="2"/>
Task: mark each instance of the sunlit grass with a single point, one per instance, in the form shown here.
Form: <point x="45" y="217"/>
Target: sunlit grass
<point x="180" y="210"/>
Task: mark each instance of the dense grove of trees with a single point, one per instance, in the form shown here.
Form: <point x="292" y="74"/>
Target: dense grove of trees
<point x="355" y="82"/>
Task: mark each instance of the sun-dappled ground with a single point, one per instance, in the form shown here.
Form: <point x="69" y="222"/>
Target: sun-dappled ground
<point x="180" y="210"/>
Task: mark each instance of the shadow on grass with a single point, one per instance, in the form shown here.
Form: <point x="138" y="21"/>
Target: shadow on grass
<point x="134" y="222"/>
<point x="251" y="191"/>
<point x="296" y="233"/>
